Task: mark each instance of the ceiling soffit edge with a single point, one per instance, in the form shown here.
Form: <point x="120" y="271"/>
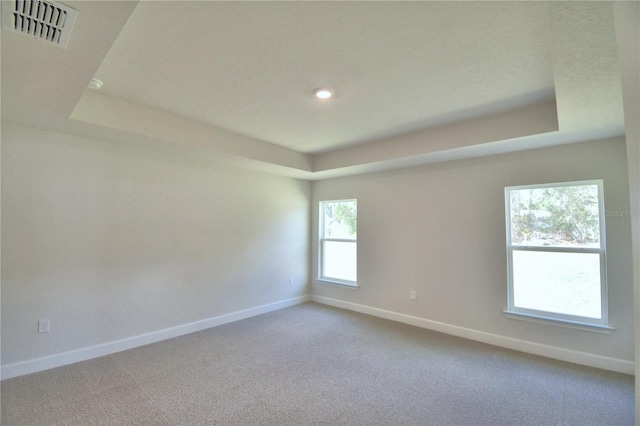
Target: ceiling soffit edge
<point x="115" y="113"/>
<point x="135" y="119"/>
<point x="532" y="120"/>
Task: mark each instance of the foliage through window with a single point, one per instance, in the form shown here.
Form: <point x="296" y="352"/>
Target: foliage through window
<point x="556" y="251"/>
<point x="339" y="241"/>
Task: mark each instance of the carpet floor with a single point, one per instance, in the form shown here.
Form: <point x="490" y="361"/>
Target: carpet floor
<point x="312" y="364"/>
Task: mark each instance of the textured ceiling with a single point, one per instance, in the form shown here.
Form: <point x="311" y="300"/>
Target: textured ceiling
<point x="251" y="67"/>
<point x="232" y="82"/>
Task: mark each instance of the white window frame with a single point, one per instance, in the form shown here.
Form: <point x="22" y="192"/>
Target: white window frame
<point x="321" y="243"/>
<point x="571" y="321"/>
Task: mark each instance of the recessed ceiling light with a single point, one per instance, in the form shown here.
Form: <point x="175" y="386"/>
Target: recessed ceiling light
<point x="95" y="84"/>
<point x="323" y="93"/>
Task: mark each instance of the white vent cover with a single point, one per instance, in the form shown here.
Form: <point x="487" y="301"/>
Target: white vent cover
<point x="46" y="20"/>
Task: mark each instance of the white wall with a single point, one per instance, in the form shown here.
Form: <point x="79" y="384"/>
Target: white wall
<point x="110" y="242"/>
<point x="440" y="230"/>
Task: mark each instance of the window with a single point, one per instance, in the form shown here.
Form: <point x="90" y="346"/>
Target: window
<point x="556" y="252"/>
<point x="339" y="242"/>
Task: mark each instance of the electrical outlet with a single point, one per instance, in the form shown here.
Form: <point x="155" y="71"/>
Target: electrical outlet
<point x="43" y="326"/>
<point x="412" y="295"/>
<point x="290" y="282"/>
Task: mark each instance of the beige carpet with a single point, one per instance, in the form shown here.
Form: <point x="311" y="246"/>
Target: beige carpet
<point x="312" y="364"/>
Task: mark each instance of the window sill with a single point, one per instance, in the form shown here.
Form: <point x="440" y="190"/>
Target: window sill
<point x="576" y="325"/>
<point x="337" y="283"/>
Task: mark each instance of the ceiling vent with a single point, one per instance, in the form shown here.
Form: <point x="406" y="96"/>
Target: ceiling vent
<point x="45" y="20"/>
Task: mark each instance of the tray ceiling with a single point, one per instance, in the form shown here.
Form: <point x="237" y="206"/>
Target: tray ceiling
<point x="414" y="82"/>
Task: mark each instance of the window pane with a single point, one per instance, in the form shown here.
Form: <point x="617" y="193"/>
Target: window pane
<point x="555" y="216"/>
<point x="564" y="283"/>
<point x="340" y="260"/>
<point x="341" y="220"/>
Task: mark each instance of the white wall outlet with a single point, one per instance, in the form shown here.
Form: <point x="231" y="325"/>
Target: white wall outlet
<point x="290" y="282"/>
<point x="43" y="326"/>
<point x="412" y="295"/>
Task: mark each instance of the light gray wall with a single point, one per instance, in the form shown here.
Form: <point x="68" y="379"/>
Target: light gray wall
<point x="440" y="230"/>
<point x="627" y="20"/>
<point x="110" y="242"/>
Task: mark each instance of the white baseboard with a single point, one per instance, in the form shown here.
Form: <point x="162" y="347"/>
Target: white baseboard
<point x="44" y="363"/>
<point x="576" y="357"/>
